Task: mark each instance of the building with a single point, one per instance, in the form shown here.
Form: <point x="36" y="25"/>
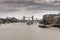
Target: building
<point x="51" y="18"/>
<point x="57" y="19"/>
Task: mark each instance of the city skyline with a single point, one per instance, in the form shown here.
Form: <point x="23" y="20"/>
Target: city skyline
<point x="37" y="8"/>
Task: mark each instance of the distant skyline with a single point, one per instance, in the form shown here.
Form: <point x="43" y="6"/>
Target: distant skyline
<point x="20" y="14"/>
<point x="19" y="8"/>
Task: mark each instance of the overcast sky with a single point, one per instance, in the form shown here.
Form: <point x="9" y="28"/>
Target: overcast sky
<point x="38" y="8"/>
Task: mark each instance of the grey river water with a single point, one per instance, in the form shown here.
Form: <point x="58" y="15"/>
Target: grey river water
<point x="21" y="31"/>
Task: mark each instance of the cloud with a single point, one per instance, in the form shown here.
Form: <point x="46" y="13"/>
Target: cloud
<point x="29" y="5"/>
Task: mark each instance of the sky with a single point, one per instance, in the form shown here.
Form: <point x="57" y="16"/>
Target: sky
<point x="20" y="8"/>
